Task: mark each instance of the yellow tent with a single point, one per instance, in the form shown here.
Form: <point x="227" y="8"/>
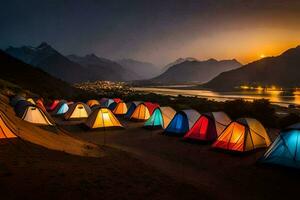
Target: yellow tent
<point x="102" y="118"/>
<point x="120" y="109"/>
<point x="92" y="103"/>
<point x="140" y="113"/>
<point x="31" y="101"/>
<point x="78" y="111"/>
<point x="245" y="134"/>
<point x="7" y="129"/>
<point x="35" y="115"/>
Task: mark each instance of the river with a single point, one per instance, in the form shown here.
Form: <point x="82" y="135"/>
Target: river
<point x="277" y="97"/>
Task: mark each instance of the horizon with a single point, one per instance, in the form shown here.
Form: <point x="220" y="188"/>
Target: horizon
<point x="156" y="32"/>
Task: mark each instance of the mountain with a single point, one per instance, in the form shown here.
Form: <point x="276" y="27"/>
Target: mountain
<point x="280" y="71"/>
<point x="194" y="71"/>
<point x="178" y="61"/>
<point x="53" y="62"/>
<point x="143" y="70"/>
<point x="33" y="79"/>
<point x="110" y="70"/>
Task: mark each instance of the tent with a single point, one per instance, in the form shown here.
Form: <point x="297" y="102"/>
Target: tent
<point x="161" y="117"/>
<point x="21" y="107"/>
<point x="92" y="103"/>
<point x="244" y="134"/>
<point x="208" y="127"/>
<point x="141" y="113"/>
<point x="151" y="106"/>
<point x="35" y="115"/>
<point x="15" y="99"/>
<point x="102" y="118"/>
<point x="112" y="106"/>
<point x="53" y="105"/>
<point x="285" y="150"/>
<point x="120" y="109"/>
<point x="31" y="101"/>
<point x="117" y="100"/>
<point x="102" y="100"/>
<point x="78" y="111"/>
<point x="131" y="107"/>
<point x="40" y="104"/>
<point x="182" y="122"/>
<point x="61" y="108"/>
<point x="7" y="129"/>
<point x="107" y="102"/>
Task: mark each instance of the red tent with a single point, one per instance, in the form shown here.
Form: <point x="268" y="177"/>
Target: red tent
<point x="117" y="100"/>
<point x="40" y="104"/>
<point x="53" y="105"/>
<point x="208" y="126"/>
<point x="151" y="106"/>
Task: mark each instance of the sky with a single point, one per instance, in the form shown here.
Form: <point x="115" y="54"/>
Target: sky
<point x="157" y="31"/>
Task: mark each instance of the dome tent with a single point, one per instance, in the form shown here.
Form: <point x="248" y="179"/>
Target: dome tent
<point x="182" y="122"/>
<point x="61" y="108"/>
<point x="285" y="150"/>
<point x="208" y="126"/>
<point x="7" y="129"/>
<point x="120" y="109"/>
<point x="143" y="111"/>
<point x="92" y="103"/>
<point x="77" y="111"/>
<point x="131" y="107"/>
<point x="102" y="118"/>
<point x="15" y="99"/>
<point x="161" y="117"/>
<point x="244" y="134"/>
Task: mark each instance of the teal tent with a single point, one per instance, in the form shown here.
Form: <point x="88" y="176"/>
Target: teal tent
<point x="160" y="118"/>
<point x="286" y="148"/>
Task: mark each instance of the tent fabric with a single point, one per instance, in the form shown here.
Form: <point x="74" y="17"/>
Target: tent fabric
<point x="102" y="118"/>
<point x="14" y="100"/>
<point x="112" y="106"/>
<point x="208" y="126"/>
<point x="102" y="100"/>
<point x="92" y="103"/>
<point x="151" y="106"/>
<point x="161" y="117"/>
<point x="285" y="150"/>
<point x="117" y="100"/>
<point x="131" y="107"/>
<point x="35" y="115"/>
<point x="120" y="109"/>
<point x="21" y="107"/>
<point x="61" y="108"/>
<point x="31" y="101"/>
<point x="40" y="104"/>
<point x="107" y="102"/>
<point x="182" y="122"/>
<point x="53" y="105"/>
<point x="245" y="134"/>
<point x="7" y="129"/>
<point x="78" y="111"/>
<point x="141" y="113"/>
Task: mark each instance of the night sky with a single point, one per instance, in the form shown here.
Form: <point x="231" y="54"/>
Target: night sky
<point x="154" y="31"/>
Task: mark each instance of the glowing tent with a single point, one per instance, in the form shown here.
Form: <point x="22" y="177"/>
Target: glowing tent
<point x="208" y="127"/>
<point x="107" y="102"/>
<point x="182" y="122"/>
<point x="117" y="100"/>
<point x="285" y="150"/>
<point x="141" y="113"/>
<point x="78" y="111"/>
<point x="7" y="129"/>
<point x="151" y="106"/>
<point x="161" y="117"/>
<point x="244" y="134"/>
<point x="92" y="103"/>
<point x="31" y="101"/>
<point x="35" y="115"/>
<point x="102" y="118"/>
<point x="120" y="109"/>
<point x="53" y="105"/>
<point x="61" y="108"/>
<point x="131" y="107"/>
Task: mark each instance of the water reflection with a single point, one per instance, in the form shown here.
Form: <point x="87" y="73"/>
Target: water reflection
<point x="279" y="97"/>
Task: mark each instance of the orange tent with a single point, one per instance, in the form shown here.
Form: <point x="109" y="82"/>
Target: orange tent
<point x="92" y="103"/>
<point x="7" y="129"/>
<point x="120" y="109"/>
<point x="244" y="134"/>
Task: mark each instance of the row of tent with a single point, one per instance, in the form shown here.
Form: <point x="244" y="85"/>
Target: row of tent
<point x="244" y="134"/>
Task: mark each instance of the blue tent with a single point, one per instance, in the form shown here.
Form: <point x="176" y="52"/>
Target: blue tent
<point x="112" y="106"/>
<point x="15" y="99"/>
<point x="286" y="148"/>
<point x="62" y="109"/>
<point x="107" y="102"/>
<point x="21" y="107"/>
<point x="182" y="122"/>
<point x="131" y="108"/>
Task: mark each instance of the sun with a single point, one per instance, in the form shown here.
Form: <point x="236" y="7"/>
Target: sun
<point x="262" y="56"/>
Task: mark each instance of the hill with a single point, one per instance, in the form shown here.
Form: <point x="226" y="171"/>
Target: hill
<point x="143" y="70"/>
<point x="282" y="71"/>
<point x="194" y="71"/>
<point x="33" y="79"/>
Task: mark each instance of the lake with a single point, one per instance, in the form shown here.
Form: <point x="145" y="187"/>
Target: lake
<point x="278" y="97"/>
